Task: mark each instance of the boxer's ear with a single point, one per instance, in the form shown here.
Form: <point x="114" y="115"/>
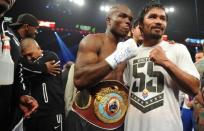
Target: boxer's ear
<point x="108" y="21"/>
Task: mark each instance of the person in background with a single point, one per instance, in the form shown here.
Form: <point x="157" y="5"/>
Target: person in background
<point x="187" y="112"/>
<point x="198" y="107"/>
<point x="46" y="88"/>
<point x="199" y="55"/>
<point x="27" y="104"/>
<point x="25" y="26"/>
<point x="136" y="33"/>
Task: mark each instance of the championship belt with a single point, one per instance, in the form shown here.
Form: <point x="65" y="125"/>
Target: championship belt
<point x="103" y="105"/>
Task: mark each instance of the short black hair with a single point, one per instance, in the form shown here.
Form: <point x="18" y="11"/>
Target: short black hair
<point x="114" y="9"/>
<point x="147" y="8"/>
<point x="200" y="51"/>
<point x="135" y="23"/>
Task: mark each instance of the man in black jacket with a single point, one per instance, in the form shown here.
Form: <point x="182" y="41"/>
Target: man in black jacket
<point x="28" y="104"/>
<point x="25" y="26"/>
<point x="47" y="89"/>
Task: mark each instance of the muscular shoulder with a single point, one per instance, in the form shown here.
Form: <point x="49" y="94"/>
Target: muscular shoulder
<point x="92" y="41"/>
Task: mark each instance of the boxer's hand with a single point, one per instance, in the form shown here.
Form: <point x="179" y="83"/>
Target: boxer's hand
<point x="124" y="51"/>
<point x="158" y="56"/>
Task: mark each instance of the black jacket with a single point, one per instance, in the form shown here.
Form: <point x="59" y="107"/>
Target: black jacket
<point x="45" y="88"/>
<point x="9" y="94"/>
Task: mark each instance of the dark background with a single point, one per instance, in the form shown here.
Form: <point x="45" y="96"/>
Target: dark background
<point x="183" y="23"/>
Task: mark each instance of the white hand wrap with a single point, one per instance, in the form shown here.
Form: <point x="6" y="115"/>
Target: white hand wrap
<point x="124" y="51"/>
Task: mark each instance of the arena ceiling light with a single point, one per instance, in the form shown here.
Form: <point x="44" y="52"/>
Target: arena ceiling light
<point x="169" y="9"/>
<point x="105" y="8"/>
<point x="78" y="2"/>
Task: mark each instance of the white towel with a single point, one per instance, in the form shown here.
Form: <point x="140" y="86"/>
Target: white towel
<point x="70" y="91"/>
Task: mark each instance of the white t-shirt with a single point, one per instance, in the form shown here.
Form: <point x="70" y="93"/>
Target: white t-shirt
<point x="153" y="94"/>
